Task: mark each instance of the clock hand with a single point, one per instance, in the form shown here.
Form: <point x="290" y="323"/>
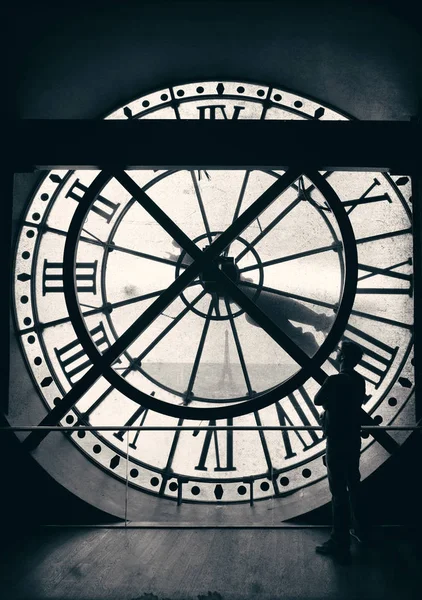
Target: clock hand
<point x="239" y="204"/>
<point x="282" y="307"/>
<point x="239" y="349"/>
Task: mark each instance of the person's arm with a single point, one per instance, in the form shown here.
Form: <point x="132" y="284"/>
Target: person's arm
<point x="326" y="394"/>
<point x="363" y="397"/>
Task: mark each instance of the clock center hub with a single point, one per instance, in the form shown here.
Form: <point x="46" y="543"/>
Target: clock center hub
<point x="209" y="281"/>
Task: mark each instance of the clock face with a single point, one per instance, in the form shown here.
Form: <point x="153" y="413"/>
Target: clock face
<point x="110" y="294"/>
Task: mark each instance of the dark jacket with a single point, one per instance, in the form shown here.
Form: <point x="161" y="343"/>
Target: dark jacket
<point x="342" y="396"/>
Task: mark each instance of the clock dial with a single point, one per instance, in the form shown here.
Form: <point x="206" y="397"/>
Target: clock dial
<point x="121" y="323"/>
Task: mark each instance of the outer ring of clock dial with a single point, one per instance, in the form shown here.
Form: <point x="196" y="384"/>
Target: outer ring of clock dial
<point x="392" y="414"/>
<point x="238" y="409"/>
<point x="267" y="96"/>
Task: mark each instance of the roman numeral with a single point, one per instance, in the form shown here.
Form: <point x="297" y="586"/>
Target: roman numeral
<point x="382" y="355"/>
<point x="211" y="112"/>
<point x="73" y="358"/>
<point x="139" y="412"/>
<point x="364" y="199"/>
<point x="85" y="275"/>
<point x="102" y="206"/>
<point x="227" y="436"/>
<point x="297" y="401"/>
<point x="389" y="272"/>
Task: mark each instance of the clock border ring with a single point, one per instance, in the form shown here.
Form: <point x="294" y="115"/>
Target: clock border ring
<point x="260" y="400"/>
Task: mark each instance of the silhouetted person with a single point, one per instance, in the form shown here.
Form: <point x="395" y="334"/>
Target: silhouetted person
<point x="341" y="396"/>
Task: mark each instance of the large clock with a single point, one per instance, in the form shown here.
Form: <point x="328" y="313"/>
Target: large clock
<point x="185" y="297"/>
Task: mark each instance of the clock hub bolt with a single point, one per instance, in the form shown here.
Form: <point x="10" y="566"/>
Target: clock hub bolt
<point x="227" y="265"/>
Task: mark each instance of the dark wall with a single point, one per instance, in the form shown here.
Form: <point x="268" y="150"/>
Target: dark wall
<point x="81" y="60"/>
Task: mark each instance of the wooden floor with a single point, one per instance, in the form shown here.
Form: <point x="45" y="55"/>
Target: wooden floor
<point x="205" y="564"/>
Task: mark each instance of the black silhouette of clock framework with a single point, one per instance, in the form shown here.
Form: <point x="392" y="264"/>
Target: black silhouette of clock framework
<point x="170" y="297"/>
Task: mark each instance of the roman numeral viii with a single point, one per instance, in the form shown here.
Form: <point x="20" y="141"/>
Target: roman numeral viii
<point x="73" y="358"/>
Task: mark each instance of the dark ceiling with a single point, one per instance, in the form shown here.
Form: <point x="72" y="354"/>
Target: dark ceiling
<point x="79" y="60"/>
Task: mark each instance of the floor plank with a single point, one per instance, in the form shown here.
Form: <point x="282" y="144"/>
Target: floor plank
<point x="205" y="564"/>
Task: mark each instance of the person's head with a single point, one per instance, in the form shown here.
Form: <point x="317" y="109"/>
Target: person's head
<point x="350" y="354"/>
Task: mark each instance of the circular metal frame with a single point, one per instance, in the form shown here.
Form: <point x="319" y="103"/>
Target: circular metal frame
<point x="258" y="401"/>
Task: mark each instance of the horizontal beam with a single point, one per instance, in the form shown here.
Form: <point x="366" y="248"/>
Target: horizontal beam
<point x="199" y="428"/>
<point x="206" y="144"/>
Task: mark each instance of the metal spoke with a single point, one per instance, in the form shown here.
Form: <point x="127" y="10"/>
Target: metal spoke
<point x="371" y="317"/>
<point x="103" y="309"/>
<point x="168" y="470"/>
<point x="265" y="450"/>
<point x="216" y="303"/>
<point x="241" y="195"/>
<point x="201" y="206"/>
<point x="384" y="236"/>
<point x="166" y="261"/>
<point x="97" y="242"/>
<point x="267" y="229"/>
<point x="335" y="246"/>
<point x="239" y="348"/>
<point x="146" y="296"/>
<point x="197" y="360"/>
<point x="239" y="203"/>
<point x="47" y="228"/>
